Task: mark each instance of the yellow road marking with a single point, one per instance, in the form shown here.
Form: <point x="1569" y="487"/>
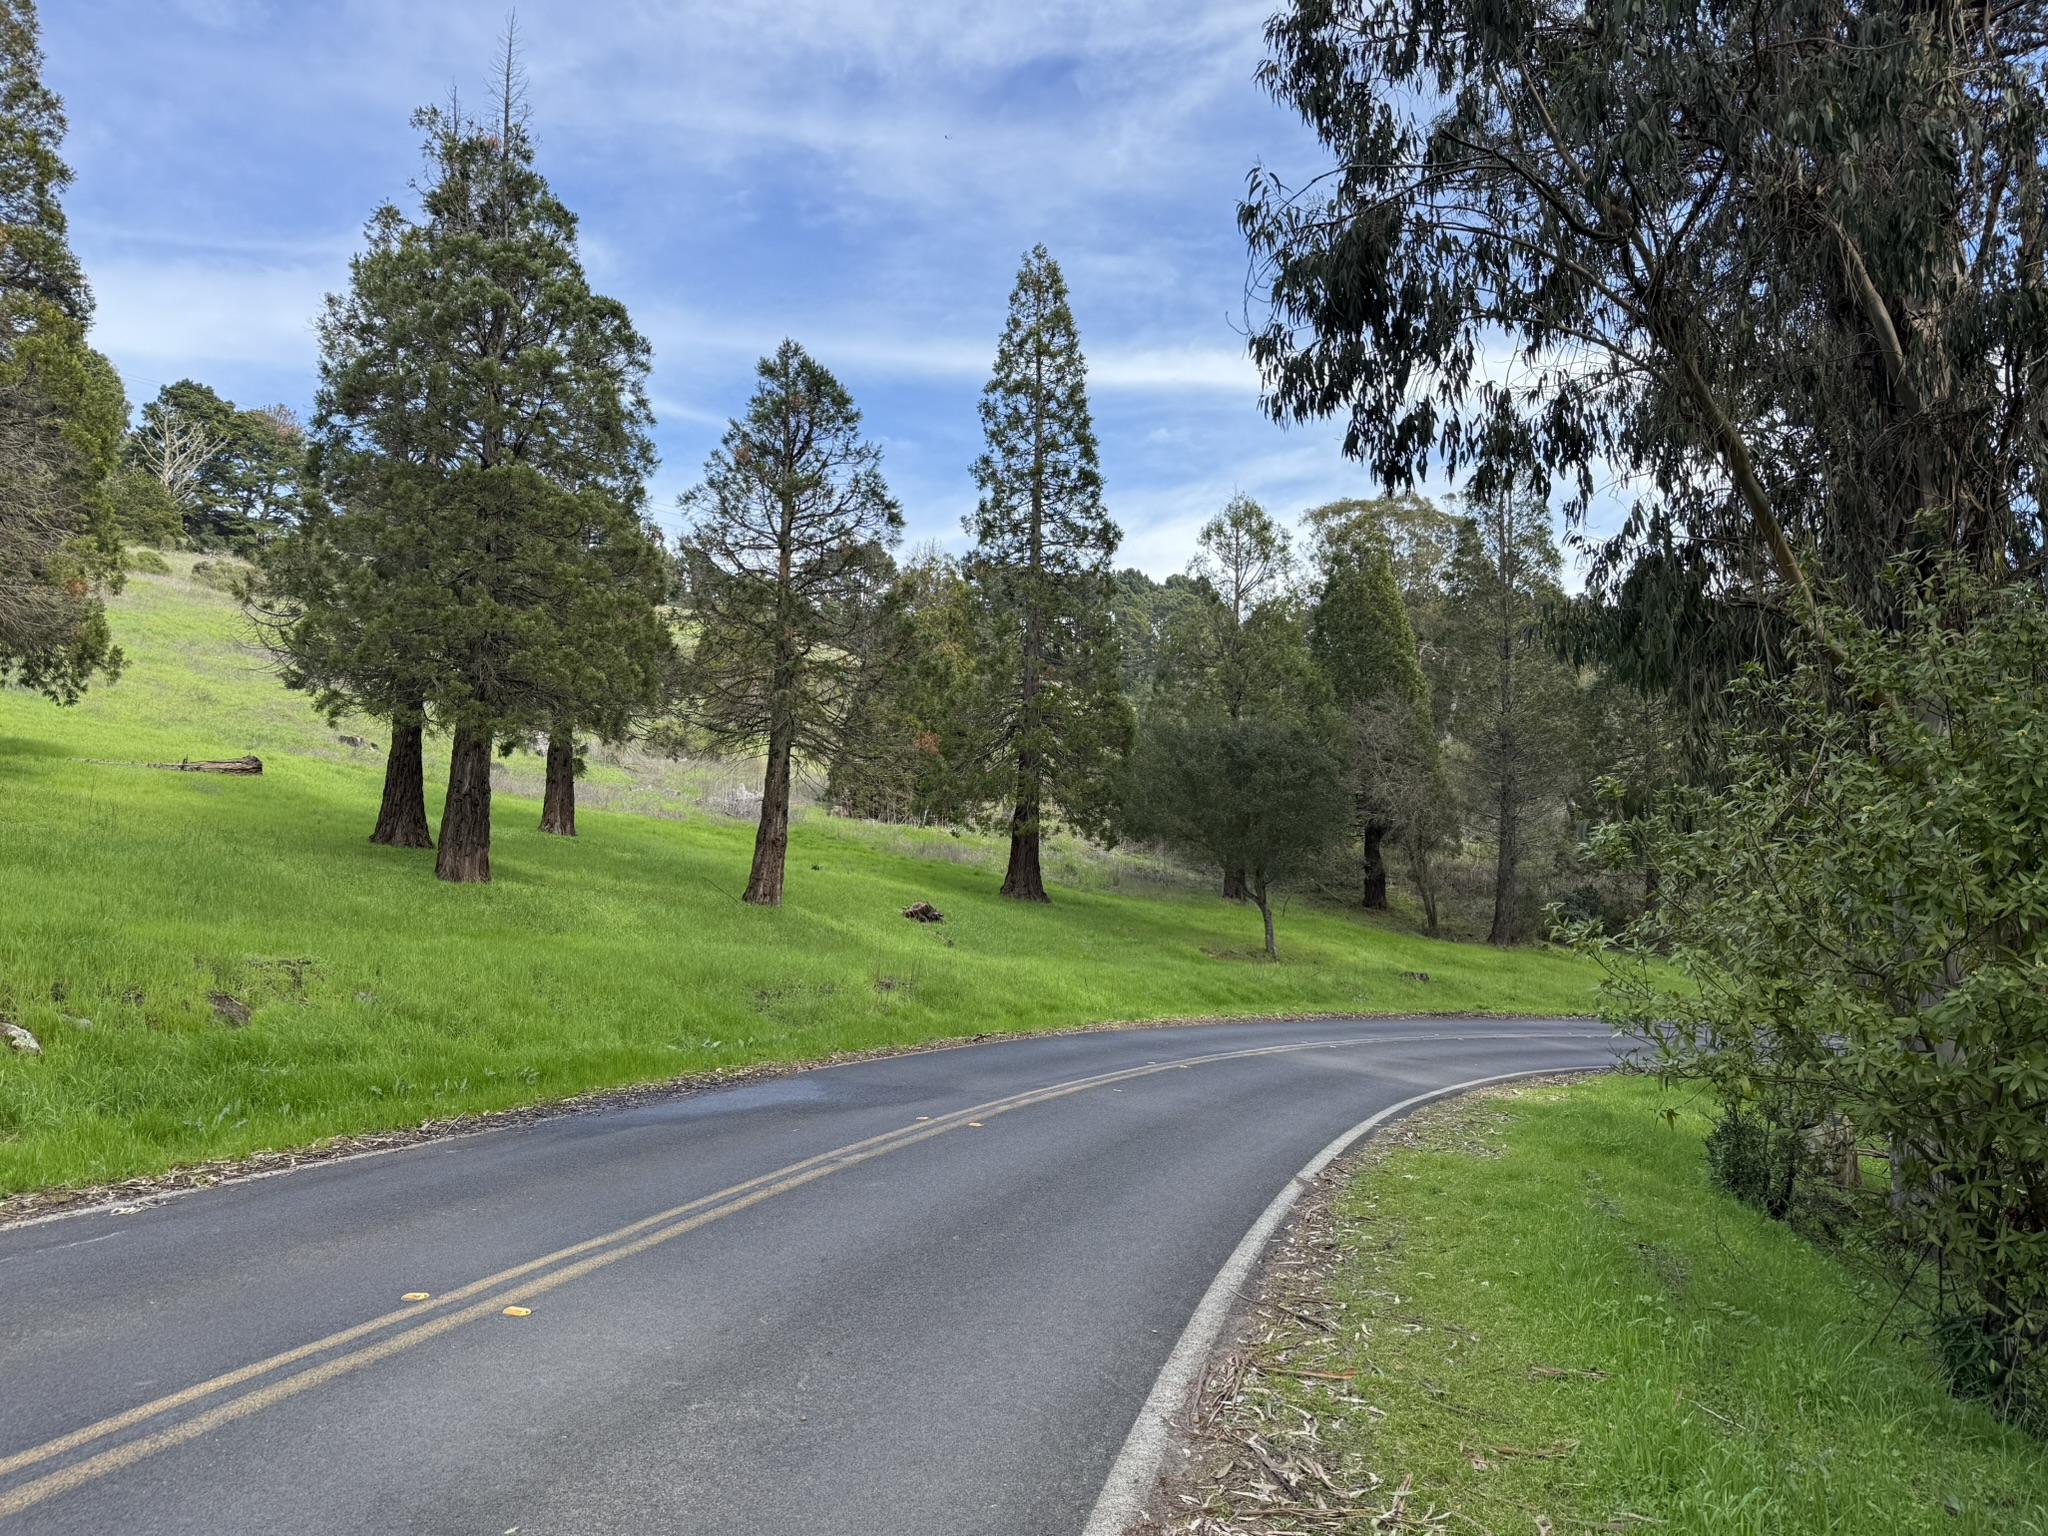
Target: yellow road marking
<point x="706" y="1209"/>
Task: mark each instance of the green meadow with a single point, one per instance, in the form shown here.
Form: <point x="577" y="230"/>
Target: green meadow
<point x="216" y="965"/>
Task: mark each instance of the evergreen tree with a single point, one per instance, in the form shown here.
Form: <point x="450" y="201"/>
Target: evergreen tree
<point x="62" y="410"/>
<point x="231" y="474"/>
<point x="1514" y="705"/>
<point x="1236" y="650"/>
<point x="784" y="566"/>
<point x="1053" y="725"/>
<point x="1360" y="636"/>
<point x="475" y="550"/>
<point x="1260" y="795"/>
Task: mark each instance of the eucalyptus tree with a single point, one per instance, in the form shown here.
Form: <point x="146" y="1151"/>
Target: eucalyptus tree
<point x="785" y="565"/>
<point x="62" y="410"/>
<point x="1780" y="269"/>
<point x="476" y="549"/>
<point x="1054" y="725"/>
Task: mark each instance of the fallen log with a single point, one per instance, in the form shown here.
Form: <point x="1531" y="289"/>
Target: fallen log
<point x="249" y="765"/>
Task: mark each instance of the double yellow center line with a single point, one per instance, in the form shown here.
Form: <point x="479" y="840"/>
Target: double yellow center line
<point x="418" y="1323"/>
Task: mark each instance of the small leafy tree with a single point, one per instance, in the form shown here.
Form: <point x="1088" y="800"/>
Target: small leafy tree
<point x="1052" y="728"/>
<point x="1235" y="648"/>
<point x="1856" y="926"/>
<point x="1265" y="796"/>
<point x="785" y="566"/>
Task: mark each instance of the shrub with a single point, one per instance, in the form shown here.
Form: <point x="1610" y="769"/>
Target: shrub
<point x="1856" y="926"/>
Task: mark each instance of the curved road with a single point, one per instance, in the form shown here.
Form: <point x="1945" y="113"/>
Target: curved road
<point x="926" y="1294"/>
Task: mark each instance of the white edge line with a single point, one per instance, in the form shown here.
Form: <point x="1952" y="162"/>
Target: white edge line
<point x="1128" y="1488"/>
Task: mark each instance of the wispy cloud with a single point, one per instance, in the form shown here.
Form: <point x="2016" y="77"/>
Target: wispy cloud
<point x="861" y="174"/>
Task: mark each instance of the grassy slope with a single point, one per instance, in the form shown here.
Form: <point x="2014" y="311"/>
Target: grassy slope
<point x="128" y="896"/>
<point x="1748" y="1385"/>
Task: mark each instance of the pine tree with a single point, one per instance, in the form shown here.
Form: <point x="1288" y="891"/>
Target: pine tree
<point x="1056" y="727"/>
<point x="62" y="410"/>
<point x="475" y="551"/>
<point x="785" y="565"/>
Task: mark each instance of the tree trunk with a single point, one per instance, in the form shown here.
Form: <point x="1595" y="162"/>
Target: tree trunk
<point x="1375" y="840"/>
<point x="466" y="817"/>
<point x="402" y="818"/>
<point x="1503" y="930"/>
<point x="1235" y="887"/>
<point x="771" y="837"/>
<point x="558" y="807"/>
<point x="1024" y="881"/>
<point x="1265" y="911"/>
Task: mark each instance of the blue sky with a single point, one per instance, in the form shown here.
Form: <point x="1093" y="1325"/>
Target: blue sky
<point x="861" y="175"/>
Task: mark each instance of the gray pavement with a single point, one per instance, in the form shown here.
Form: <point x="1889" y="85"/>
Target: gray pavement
<point x="794" y="1307"/>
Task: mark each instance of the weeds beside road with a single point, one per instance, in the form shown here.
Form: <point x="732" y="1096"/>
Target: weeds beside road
<point x="1528" y="1311"/>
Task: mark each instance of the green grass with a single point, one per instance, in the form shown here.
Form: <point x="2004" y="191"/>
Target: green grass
<point x="1725" y="1377"/>
<point x="381" y="997"/>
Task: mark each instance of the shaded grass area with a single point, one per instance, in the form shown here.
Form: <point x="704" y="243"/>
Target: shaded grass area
<point x="142" y="913"/>
<point x="1547" y="1320"/>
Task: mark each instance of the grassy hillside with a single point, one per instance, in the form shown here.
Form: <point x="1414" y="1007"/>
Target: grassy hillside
<point x="132" y="899"/>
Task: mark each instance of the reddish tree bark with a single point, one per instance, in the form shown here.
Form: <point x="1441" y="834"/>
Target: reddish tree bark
<point x="558" y="806"/>
<point x="1024" y="880"/>
<point x="771" y="837"/>
<point x="402" y="818"/>
<point x="465" y="854"/>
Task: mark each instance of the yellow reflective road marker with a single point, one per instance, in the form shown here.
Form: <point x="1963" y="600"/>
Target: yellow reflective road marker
<point x="974" y="1124"/>
<point x="519" y="1311"/>
<point x="417" y="1296"/>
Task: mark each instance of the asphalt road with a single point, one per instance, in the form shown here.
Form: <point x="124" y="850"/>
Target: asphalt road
<point x="916" y="1295"/>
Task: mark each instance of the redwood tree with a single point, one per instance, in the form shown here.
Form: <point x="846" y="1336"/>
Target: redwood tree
<point x="1057" y="726"/>
<point x="475" y="552"/>
<point x="784" y="566"/>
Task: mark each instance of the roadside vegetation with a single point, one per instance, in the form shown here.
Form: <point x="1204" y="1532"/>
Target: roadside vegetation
<point x="1539" y="1315"/>
<point x="215" y="964"/>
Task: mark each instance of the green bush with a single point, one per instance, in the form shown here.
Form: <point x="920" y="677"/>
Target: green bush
<point x="1856" y="925"/>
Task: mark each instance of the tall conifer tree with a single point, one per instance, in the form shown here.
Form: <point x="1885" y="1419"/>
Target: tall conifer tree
<point x="1057" y="726"/>
<point x="785" y="565"/>
<point x="62" y="411"/>
<point x="477" y="550"/>
<point x="1361" y="637"/>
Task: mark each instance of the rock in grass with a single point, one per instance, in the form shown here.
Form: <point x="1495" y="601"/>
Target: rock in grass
<point x="924" y="912"/>
<point x="20" y="1039"/>
<point x="231" y="1011"/>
